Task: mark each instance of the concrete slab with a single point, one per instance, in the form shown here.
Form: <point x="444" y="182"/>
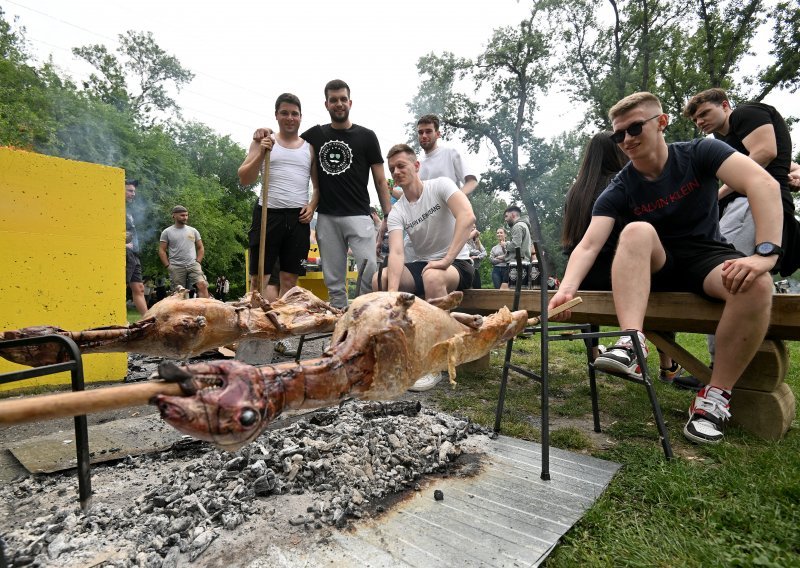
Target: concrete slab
<point x="255" y="351"/>
<point x="111" y="441"/>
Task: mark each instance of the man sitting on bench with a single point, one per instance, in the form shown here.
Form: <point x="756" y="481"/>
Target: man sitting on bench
<point x="667" y="196"/>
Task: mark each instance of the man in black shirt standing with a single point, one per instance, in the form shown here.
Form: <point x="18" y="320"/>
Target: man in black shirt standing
<point x="667" y="198"/>
<point x="346" y="153"/>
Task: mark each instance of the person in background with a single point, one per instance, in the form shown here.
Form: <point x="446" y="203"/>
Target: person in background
<point x="224" y="288"/>
<point x="382" y="250"/>
<point x="181" y="251"/>
<point x="759" y="131"/>
<point x="497" y="256"/>
<point x="477" y="253"/>
<point x="442" y="161"/>
<point x="161" y="288"/>
<point x="520" y="238"/>
<point x="133" y="266"/>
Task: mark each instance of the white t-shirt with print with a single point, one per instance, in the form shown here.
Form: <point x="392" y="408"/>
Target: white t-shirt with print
<point x="428" y="222"/>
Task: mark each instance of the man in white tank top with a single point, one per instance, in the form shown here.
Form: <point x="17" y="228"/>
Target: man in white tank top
<point x="288" y="206"/>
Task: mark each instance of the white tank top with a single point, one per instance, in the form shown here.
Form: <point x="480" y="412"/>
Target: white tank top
<point x="289" y="174"/>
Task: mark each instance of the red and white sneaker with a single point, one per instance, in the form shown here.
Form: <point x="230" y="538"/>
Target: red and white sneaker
<point x="620" y="359"/>
<point x="707" y="415"/>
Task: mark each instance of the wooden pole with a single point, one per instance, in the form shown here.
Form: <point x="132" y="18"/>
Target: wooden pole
<point x="61" y="405"/>
<point x="562" y="308"/>
<point x="262" y="242"/>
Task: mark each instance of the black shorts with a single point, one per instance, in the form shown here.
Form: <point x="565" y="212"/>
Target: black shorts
<point x="466" y="271"/>
<point x="287" y="240"/>
<point x="133" y="267"/>
<point x="688" y="263"/>
<point x="599" y="275"/>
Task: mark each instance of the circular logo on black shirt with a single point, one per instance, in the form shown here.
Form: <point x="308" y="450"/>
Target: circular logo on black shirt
<point x="335" y="157"/>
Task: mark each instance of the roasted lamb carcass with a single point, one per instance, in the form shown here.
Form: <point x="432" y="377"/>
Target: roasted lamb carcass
<point x="379" y="348"/>
<point x="179" y="328"/>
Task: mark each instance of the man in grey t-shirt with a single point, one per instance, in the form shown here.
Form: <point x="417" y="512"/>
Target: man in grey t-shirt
<point x="181" y="251"/>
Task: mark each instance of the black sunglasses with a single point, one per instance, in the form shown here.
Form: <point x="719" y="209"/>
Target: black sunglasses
<point x="634" y="130"/>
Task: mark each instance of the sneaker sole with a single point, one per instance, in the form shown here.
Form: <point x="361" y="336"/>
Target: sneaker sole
<point x="681" y="386"/>
<point x="699" y="439"/>
<point x="615" y="368"/>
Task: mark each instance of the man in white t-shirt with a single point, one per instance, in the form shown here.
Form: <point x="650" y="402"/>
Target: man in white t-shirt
<point x="438" y="161"/>
<point x="437" y="218"/>
<point x="442" y="161"/>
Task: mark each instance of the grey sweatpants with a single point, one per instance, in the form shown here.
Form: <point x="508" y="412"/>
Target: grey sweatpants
<point x="739" y="229"/>
<point x="334" y="236"/>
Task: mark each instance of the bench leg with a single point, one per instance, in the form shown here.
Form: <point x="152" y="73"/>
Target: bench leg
<point x="767" y="371"/>
<point x="767" y="415"/>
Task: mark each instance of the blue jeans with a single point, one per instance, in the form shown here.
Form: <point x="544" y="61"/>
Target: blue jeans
<point x="497" y="275"/>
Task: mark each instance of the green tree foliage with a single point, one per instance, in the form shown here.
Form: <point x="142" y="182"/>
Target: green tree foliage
<point x="599" y="51"/>
<point x="492" y="99"/>
<point x="137" y="79"/>
<point x="615" y="47"/>
<point x="24" y="105"/>
<point x="106" y="123"/>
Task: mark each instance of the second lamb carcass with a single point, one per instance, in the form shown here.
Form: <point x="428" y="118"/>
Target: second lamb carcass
<point x="179" y="328"/>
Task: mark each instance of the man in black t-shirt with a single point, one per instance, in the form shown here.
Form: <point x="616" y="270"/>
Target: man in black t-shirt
<point x="667" y="195"/>
<point x="759" y="131"/>
<point x="346" y="153"/>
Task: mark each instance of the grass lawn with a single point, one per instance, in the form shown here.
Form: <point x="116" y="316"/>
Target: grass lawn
<point x="133" y="315"/>
<point x="734" y="504"/>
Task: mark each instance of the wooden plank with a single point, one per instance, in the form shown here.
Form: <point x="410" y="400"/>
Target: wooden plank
<point x="666" y="311"/>
<point x="678" y="353"/>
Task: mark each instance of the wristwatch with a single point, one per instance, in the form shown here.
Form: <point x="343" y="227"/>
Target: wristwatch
<point x="768" y="249"/>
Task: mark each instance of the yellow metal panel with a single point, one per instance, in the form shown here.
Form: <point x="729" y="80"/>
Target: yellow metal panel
<point x="62" y="252"/>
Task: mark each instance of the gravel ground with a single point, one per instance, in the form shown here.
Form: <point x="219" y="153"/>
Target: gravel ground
<point x="307" y="476"/>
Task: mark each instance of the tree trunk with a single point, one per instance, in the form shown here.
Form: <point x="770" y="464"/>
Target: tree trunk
<point x="536" y="228"/>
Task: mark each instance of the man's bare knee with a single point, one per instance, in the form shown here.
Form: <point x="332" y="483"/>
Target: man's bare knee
<point x="762" y="288"/>
<point x="637" y="232"/>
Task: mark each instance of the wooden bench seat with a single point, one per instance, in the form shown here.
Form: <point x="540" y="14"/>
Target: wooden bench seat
<point x="763" y="403"/>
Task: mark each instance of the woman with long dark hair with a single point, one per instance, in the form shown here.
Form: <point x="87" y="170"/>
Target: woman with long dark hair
<point x="602" y="160"/>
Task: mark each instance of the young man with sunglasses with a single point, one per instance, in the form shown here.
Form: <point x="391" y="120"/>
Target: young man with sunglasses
<point x="667" y="198"/>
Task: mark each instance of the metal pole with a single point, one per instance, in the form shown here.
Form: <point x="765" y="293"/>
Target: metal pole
<point x="545" y="350"/>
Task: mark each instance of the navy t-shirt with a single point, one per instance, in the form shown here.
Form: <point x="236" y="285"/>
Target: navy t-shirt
<point x="344" y="159"/>
<point x="681" y="203"/>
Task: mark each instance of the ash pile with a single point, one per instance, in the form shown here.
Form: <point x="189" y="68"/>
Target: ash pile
<point x="303" y="481"/>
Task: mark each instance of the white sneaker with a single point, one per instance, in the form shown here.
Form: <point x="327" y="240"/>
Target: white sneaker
<point x="426" y="382"/>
